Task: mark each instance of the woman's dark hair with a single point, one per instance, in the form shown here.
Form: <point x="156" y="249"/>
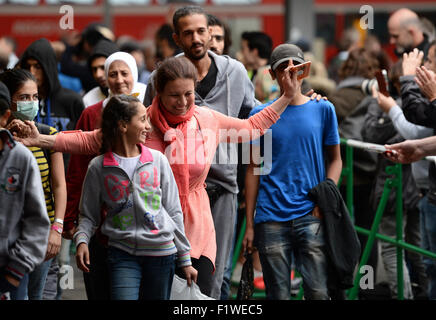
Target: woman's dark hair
<point x="360" y="62"/>
<point x="119" y="108"/>
<point x="394" y="75"/>
<point x="174" y="68"/>
<point x="14" y="79"/>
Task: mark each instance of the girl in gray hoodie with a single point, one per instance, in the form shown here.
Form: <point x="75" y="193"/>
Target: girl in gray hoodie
<point x="134" y="188"/>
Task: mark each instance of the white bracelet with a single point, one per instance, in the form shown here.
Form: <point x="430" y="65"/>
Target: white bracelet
<point x="59" y="221"/>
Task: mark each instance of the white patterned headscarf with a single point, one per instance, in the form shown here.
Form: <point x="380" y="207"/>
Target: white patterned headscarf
<point x="138" y="88"/>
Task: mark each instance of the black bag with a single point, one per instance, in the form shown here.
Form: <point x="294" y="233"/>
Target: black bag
<point x="246" y="286"/>
<point x="214" y="191"/>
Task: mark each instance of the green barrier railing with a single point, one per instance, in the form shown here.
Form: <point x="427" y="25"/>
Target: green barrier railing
<point x="393" y="183"/>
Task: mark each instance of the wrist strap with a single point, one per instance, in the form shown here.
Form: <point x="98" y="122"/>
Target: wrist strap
<point x="56" y="228"/>
<point x="59" y="221"/>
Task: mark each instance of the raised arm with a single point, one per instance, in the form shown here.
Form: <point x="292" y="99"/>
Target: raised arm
<point x="74" y="141"/>
<point x="78" y="142"/>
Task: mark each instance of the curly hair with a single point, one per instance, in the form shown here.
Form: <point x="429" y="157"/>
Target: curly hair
<point x="360" y="62"/>
<point x="119" y="108"/>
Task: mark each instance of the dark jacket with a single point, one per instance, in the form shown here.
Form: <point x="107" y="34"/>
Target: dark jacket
<point x="343" y="245"/>
<point x="66" y="105"/>
<point x="351" y="105"/>
<point x="379" y="129"/>
<point x="419" y="110"/>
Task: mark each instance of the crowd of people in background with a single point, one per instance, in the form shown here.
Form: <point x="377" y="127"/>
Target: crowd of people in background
<point x="107" y="170"/>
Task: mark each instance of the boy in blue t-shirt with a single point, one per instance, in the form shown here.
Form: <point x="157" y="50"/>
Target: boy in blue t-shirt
<point x="303" y="150"/>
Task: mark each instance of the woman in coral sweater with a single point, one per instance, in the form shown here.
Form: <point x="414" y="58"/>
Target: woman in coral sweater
<point x="188" y="135"/>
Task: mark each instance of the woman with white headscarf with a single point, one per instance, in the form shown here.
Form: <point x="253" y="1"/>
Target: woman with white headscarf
<point x="122" y="77"/>
<point x="121" y="73"/>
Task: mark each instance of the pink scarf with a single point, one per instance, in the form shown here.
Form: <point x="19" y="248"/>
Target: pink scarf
<point x="177" y="138"/>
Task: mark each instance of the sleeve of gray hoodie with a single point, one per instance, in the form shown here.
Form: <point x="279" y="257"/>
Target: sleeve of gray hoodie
<point x="149" y="91"/>
<point x="408" y="130"/>
<point x="29" y="249"/>
<point x="171" y="203"/>
<point x="90" y="204"/>
<point x="249" y="101"/>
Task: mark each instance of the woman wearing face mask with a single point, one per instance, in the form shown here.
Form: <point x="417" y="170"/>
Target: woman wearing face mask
<point x="122" y="75"/>
<point x="24" y="95"/>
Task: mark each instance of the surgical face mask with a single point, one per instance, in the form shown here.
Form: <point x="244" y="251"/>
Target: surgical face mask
<point x="26" y="110"/>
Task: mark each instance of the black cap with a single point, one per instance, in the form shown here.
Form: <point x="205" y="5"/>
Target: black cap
<point x="286" y="52"/>
<point x="4" y="93"/>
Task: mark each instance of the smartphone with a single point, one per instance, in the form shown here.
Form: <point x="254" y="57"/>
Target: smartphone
<point x="382" y="81"/>
<point x="302" y="70"/>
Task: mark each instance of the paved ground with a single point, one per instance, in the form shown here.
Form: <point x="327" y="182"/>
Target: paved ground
<point x="78" y="292"/>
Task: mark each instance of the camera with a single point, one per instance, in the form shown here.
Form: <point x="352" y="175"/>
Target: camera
<point x="380" y="82"/>
<point x="367" y="85"/>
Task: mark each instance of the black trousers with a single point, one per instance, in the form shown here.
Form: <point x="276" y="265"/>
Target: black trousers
<point x="97" y="281"/>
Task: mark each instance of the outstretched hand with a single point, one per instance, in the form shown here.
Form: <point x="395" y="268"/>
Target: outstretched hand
<point x="18" y="128"/>
<point x="25" y="132"/>
<point x="404" y="152"/>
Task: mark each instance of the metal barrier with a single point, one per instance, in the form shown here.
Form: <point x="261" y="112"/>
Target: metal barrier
<point x="390" y="184"/>
<point x="394" y="183"/>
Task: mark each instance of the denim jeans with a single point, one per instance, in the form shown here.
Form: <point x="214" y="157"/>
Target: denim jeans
<point x="428" y="234"/>
<point x="389" y="256"/>
<point x="51" y="282"/>
<point x="140" y="277"/>
<point x="37" y="278"/>
<point x="302" y="237"/>
<point x="21" y="292"/>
